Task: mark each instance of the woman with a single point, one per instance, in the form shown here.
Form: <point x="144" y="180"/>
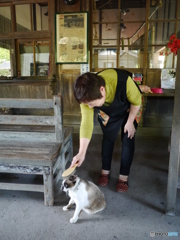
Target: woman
<point x="118" y="99"/>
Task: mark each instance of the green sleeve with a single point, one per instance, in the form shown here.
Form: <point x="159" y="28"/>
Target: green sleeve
<point x="87" y="121"/>
<point x="133" y="93"/>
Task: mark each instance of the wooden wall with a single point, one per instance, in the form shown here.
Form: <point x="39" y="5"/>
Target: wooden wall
<point x="25" y="89"/>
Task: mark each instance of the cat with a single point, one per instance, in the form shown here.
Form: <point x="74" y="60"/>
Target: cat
<point x="85" y="194"/>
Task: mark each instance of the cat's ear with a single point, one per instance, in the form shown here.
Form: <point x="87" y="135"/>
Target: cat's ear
<point x="73" y="178"/>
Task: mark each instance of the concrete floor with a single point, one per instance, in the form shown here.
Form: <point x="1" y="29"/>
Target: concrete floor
<point x="131" y="215"/>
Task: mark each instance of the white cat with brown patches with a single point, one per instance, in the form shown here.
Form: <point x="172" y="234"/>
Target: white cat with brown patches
<point x="85" y="194"/>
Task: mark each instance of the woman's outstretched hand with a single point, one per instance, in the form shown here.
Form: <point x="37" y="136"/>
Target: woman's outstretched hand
<point x="78" y="159"/>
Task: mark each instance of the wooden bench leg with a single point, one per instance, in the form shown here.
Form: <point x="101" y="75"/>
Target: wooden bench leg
<point x="48" y="187"/>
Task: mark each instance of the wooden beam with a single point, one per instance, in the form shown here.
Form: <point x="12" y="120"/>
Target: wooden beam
<point x="118" y="34"/>
<point x="146" y="41"/>
<point x="91" y="34"/>
<point x="175" y="149"/>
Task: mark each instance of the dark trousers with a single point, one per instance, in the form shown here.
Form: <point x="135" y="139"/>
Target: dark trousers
<point x="128" y="147"/>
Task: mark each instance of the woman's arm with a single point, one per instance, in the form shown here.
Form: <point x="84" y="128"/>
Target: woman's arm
<point x="134" y="97"/>
<point x="79" y="158"/>
<point x="86" y="129"/>
<point x="129" y="127"/>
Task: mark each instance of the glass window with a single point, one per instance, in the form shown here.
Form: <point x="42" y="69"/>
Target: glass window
<point x="162" y="10"/>
<point x="96" y="34"/>
<point x="41" y="16"/>
<point x="131" y="58"/>
<point x="5" y="20"/>
<point x="178" y="29"/>
<point x="104" y="58"/>
<point x="158" y="58"/>
<point x="108" y="15"/>
<point x="159" y="32"/>
<point x="5" y="63"/>
<point x="32" y="17"/>
<point x="132" y="31"/>
<point x="34" y="58"/>
<point x="109" y="34"/>
<point x="133" y="14"/>
<point x="23" y="17"/>
<point x="179" y="9"/>
<point x="131" y="23"/>
<point x="42" y="58"/>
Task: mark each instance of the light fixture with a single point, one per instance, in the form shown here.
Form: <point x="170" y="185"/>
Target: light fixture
<point x="124" y="11"/>
<point x="122" y="27"/>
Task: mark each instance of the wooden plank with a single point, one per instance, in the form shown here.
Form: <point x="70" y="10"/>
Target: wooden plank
<point x="26" y="149"/>
<point x="27" y="128"/>
<point x="55" y="150"/>
<point x="27" y="136"/>
<point x="25" y="103"/>
<point x="26" y="120"/>
<point x="25" y="144"/>
<point x="30" y="153"/>
<point x="22" y="187"/>
<point x="28" y="162"/>
<point x="48" y="188"/>
<point x="30" y="82"/>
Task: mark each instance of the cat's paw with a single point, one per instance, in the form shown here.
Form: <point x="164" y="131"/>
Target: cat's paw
<point x="65" y="208"/>
<point x="73" y="220"/>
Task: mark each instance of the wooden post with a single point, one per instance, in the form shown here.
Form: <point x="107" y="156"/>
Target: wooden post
<point x="48" y="187"/>
<point x="175" y="149"/>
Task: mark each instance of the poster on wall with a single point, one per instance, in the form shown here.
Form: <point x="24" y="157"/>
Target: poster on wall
<point x="168" y="78"/>
<point x="71" y="37"/>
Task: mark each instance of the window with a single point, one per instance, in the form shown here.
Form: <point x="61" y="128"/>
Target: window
<point x="19" y="22"/>
<point x="136" y="40"/>
<point x="5" y="20"/>
<point x="31" y="17"/>
<point x="5" y="66"/>
<point x="117" y="34"/>
<point x="33" y="59"/>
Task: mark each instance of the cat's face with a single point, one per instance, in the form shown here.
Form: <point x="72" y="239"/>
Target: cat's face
<point x="68" y="183"/>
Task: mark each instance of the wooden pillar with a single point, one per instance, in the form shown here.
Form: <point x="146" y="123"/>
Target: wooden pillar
<point x="175" y="149"/>
<point x="145" y="65"/>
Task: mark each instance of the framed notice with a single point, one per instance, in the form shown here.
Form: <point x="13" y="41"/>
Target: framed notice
<point x="71" y="37"/>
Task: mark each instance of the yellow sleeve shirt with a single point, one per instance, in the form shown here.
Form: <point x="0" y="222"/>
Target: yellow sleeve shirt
<point x="110" y="77"/>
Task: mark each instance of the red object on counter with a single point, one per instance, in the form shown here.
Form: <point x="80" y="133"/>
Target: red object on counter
<point x="157" y="90"/>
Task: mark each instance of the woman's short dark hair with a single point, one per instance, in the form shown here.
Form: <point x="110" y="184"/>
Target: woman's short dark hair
<point x="87" y="87"/>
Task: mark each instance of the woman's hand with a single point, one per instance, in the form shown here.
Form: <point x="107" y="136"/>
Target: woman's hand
<point x="145" y="89"/>
<point x="79" y="159"/>
<point x="129" y="127"/>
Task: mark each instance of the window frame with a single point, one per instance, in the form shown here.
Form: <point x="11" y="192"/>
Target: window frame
<point x="15" y="36"/>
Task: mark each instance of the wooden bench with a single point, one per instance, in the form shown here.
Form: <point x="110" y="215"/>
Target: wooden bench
<point x="34" y="144"/>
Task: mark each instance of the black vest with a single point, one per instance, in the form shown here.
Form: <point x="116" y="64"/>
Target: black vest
<point x="117" y="110"/>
